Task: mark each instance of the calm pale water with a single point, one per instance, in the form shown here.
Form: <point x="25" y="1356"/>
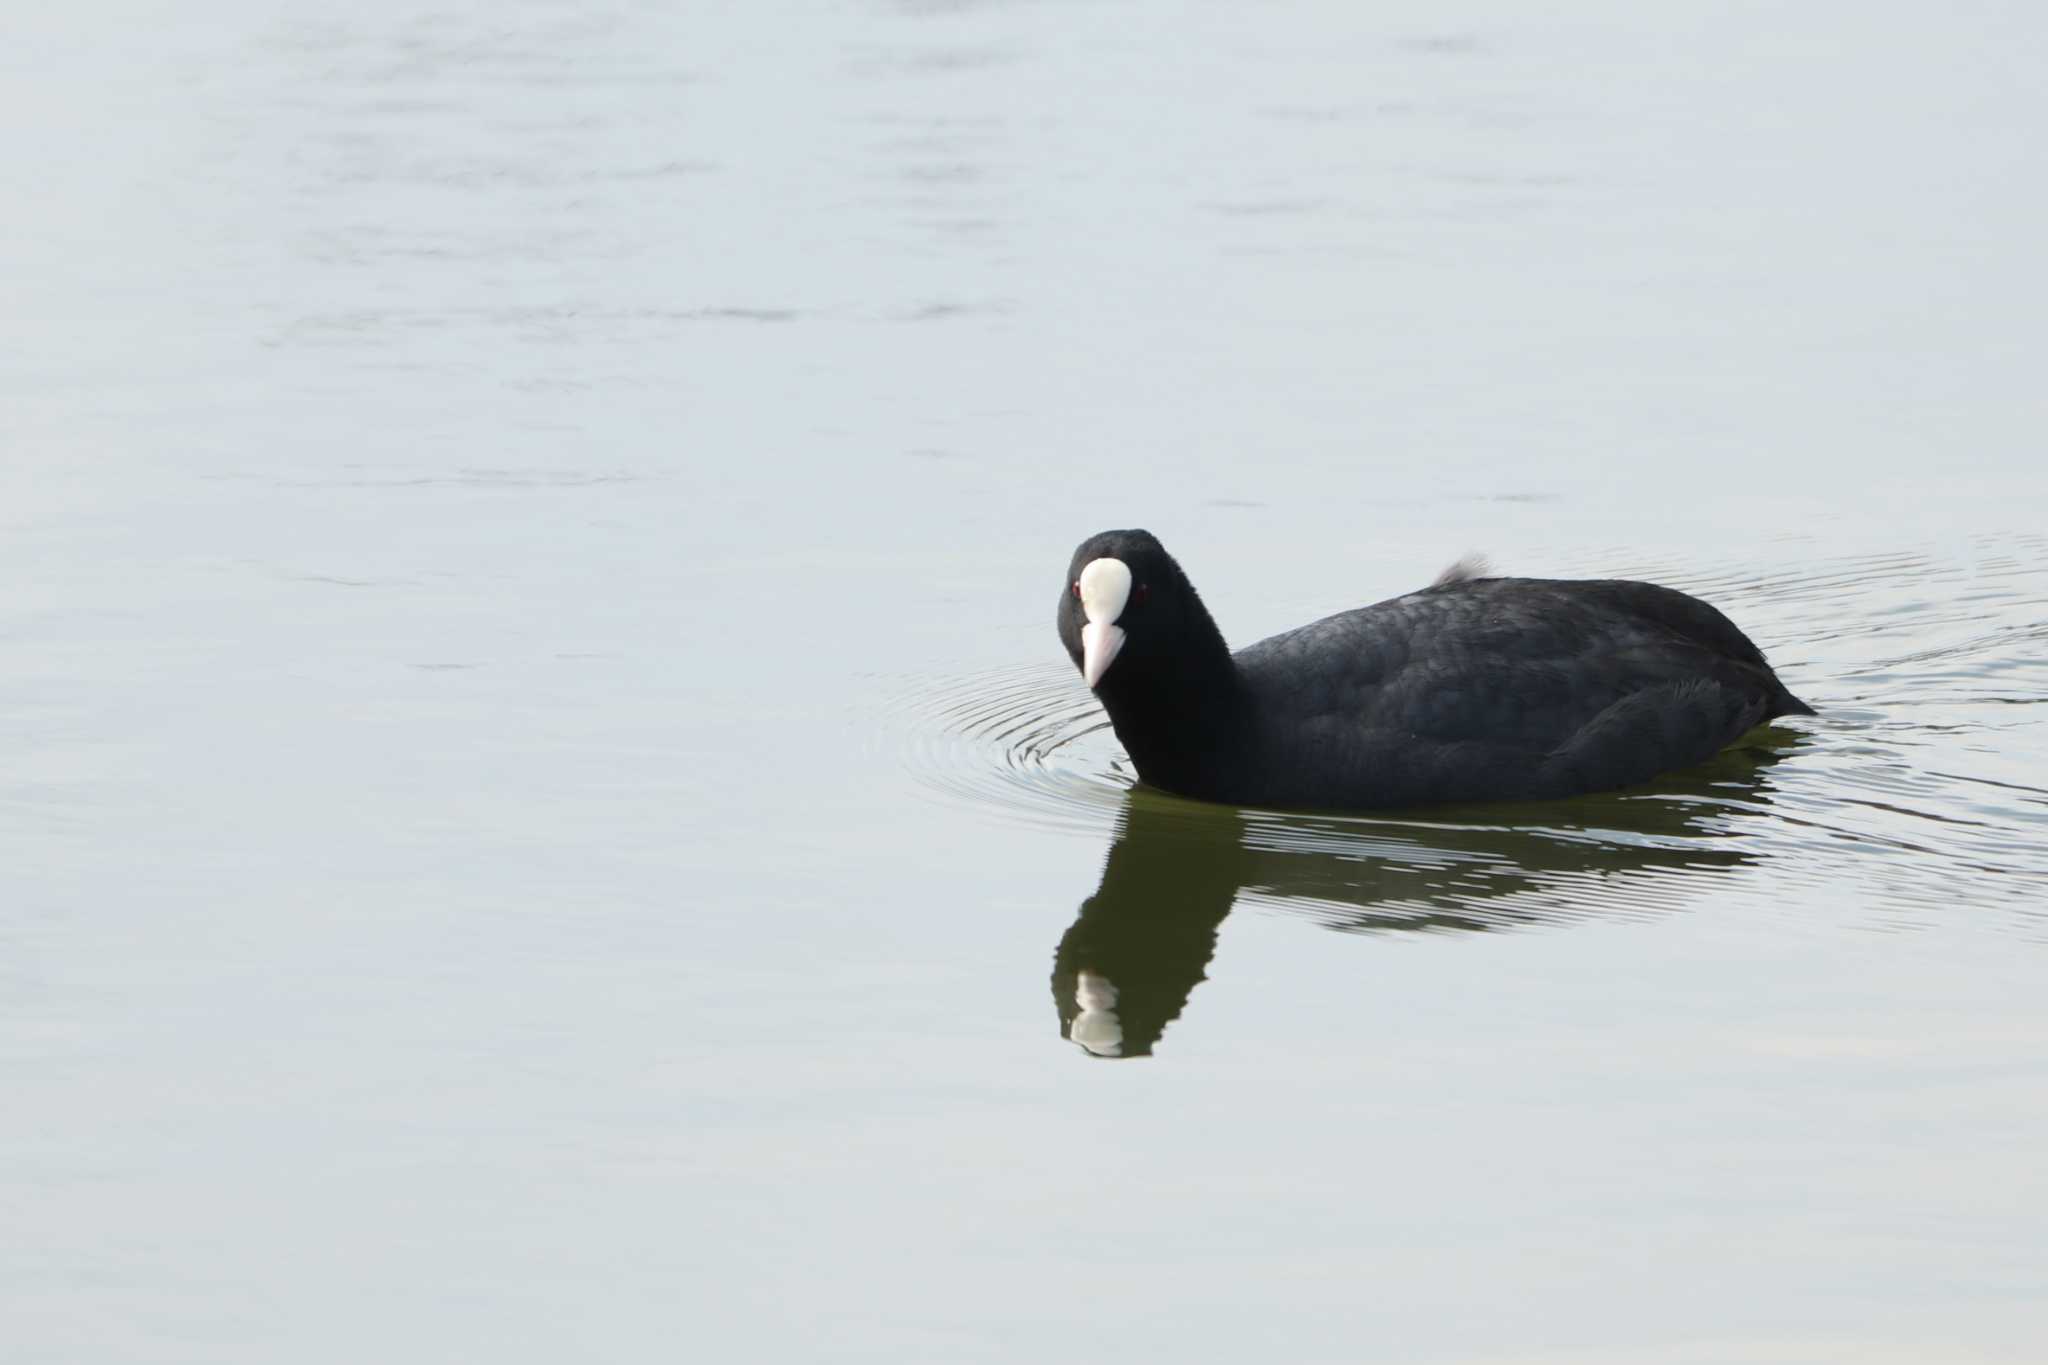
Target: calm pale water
<point x="546" y="819"/>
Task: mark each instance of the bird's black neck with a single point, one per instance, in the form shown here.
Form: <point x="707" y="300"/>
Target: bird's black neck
<point x="1175" y="713"/>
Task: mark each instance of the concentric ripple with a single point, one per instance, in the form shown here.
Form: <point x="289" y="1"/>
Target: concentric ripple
<point x="1028" y="741"/>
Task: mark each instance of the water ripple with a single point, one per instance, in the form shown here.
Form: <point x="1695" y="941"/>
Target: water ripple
<point x="1028" y="741"/>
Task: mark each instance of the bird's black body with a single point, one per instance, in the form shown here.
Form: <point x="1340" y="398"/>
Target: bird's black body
<point x="1474" y="689"/>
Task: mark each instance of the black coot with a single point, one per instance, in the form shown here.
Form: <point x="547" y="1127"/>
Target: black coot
<point x="1473" y="689"/>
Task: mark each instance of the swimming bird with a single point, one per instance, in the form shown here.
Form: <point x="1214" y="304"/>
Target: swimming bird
<point x="1472" y="689"/>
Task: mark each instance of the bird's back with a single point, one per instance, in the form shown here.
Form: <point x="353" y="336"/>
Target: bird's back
<point x="1497" y="687"/>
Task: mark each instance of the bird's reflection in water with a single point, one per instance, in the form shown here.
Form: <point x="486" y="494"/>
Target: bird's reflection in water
<point x="1143" y="941"/>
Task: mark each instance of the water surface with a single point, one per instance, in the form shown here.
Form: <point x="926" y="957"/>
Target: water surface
<point x="549" y="820"/>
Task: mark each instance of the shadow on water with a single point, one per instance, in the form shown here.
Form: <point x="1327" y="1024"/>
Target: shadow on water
<point x="1143" y="941"/>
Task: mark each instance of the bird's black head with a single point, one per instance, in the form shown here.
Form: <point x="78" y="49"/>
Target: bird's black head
<point x="1127" y="611"/>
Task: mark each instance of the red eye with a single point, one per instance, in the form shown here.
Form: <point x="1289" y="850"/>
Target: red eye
<point x="1140" y="593"/>
<point x="1077" y="590"/>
